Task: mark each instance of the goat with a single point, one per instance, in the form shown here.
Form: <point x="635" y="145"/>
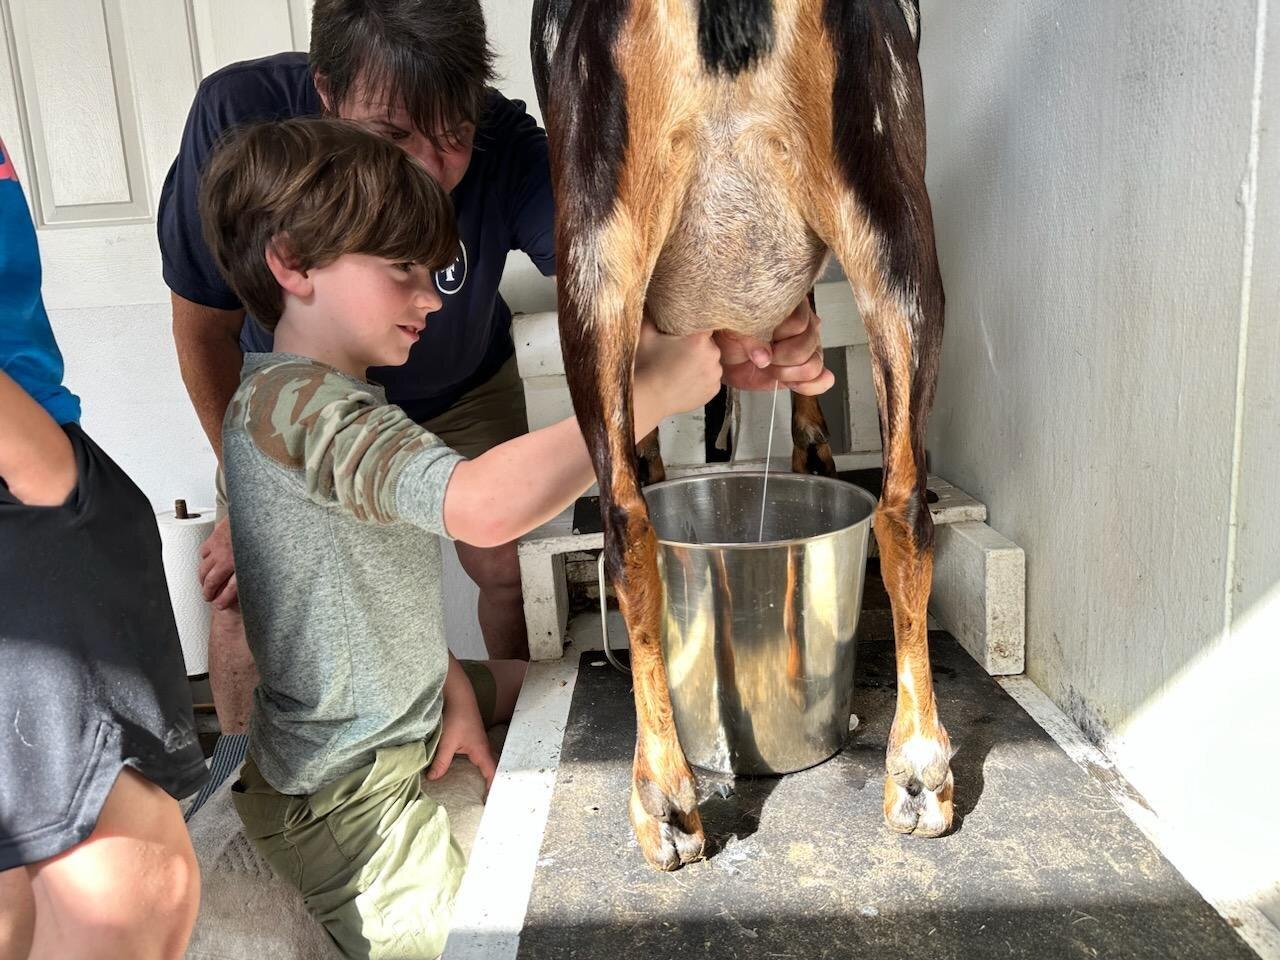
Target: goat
<point x="706" y="157"/>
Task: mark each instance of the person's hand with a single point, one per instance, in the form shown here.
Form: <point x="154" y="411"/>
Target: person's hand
<point x="679" y="373"/>
<point x="793" y="358"/>
<point x="217" y="570"/>
<point x="462" y="732"/>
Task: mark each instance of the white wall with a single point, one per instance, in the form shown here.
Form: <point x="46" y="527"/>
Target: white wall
<point x="1108" y="267"/>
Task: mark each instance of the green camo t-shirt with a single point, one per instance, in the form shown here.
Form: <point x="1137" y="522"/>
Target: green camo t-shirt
<point x="336" y="501"/>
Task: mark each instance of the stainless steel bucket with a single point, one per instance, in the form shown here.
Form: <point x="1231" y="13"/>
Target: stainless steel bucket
<point x="758" y="634"/>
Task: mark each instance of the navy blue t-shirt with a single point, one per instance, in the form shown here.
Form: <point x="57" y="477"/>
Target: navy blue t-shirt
<point x="503" y="203"/>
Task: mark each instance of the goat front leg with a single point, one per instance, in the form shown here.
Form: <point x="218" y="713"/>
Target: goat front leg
<point x="651" y="467"/>
<point x="810" y="441"/>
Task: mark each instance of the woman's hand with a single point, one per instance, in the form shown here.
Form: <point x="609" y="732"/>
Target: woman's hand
<point x="793" y="358"/>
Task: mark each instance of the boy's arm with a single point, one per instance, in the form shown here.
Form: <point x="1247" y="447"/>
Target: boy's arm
<point x="340" y="445"/>
<point x="36" y="459"/>
<point x="520" y="484"/>
<point x="343" y="447"/>
<point x="461" y="727"/>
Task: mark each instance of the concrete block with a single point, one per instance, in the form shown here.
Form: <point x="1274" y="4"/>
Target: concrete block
<point x="979" y="594"/>
<point x="543" y="583"/>
<point x="546" y="603"/>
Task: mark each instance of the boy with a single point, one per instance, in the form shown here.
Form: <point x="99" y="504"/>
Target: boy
<point x="331" y="235"/>
<point x="98" y="738"/>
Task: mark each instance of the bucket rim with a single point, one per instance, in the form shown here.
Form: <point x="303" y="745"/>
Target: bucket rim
<point x="862" y="492"/>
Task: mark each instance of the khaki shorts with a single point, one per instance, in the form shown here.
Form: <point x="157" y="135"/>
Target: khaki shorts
<point x="484" y="417"/>
<point x="372" y="855"/>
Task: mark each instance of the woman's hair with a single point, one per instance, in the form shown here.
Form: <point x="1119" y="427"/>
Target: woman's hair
<point x="431" y="56"/>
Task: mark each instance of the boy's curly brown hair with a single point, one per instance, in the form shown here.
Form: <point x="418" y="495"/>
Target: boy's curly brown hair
<point x="317" y="188"/>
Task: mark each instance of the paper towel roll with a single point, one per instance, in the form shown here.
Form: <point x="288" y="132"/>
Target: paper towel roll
<point x="181" y="539"/>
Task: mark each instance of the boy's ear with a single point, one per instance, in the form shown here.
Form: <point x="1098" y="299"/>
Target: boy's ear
<point x="284" y="267"/>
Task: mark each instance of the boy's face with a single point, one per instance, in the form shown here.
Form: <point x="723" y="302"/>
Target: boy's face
<point x="446" y="160"/>
<point x="373" y="309"/>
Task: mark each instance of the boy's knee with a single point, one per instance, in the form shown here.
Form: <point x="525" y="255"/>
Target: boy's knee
<point x="157" y="921"/>
<point x="178" y="902"/>
<point x="134" y="903"/>
<point x="185" y="906"/>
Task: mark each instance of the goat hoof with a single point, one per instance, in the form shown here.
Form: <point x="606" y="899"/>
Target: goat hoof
<point x="668" y="828"/>
<point x="918" y="787"/>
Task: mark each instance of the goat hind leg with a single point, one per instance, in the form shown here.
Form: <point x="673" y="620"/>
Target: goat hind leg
<point x="880" y="226"/>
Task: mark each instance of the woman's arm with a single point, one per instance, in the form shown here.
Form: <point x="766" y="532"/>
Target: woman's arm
<point x="36" y="459"/>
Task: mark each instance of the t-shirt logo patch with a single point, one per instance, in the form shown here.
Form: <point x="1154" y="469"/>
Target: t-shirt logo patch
<point x="451" y="278"/>
<point x="6" y="165"/>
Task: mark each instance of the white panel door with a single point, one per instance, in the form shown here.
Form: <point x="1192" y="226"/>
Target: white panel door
<point x="93" y="97"/>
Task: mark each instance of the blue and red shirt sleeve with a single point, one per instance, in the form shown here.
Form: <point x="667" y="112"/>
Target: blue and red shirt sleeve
<point x="28" y="351"/>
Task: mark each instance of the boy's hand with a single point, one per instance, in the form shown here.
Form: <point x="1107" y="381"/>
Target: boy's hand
<point x="217" y="570"/>
<point x="462" y="729"/>
<point x="793" y="358"/>
<point x="677" y="373"/>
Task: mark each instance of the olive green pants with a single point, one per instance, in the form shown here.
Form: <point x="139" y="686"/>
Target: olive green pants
<point x="372" y="855"/>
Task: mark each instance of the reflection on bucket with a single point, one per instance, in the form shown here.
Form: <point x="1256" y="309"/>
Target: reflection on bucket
<point x="759" y="636"/>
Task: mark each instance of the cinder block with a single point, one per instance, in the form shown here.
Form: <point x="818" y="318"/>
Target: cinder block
<point x="546" y="602"/>
<point x="979" y="594"/>
<point x="543" y="584"/>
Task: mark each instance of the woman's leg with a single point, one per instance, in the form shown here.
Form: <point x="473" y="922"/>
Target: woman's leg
<point x="508" y="675"/>
<point x="130" y="890"/>
<point x="17" y="914"/>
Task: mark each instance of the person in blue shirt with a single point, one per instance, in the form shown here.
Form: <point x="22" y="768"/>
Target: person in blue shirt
<point x="417" y="72"/>
<point x="98" y="740"/>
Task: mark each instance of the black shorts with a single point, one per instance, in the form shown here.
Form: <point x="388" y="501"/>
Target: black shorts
<point x="91" y="670"/>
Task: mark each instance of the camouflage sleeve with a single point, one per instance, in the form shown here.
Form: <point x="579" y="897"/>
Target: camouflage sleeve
<point x="345" y="446"/>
